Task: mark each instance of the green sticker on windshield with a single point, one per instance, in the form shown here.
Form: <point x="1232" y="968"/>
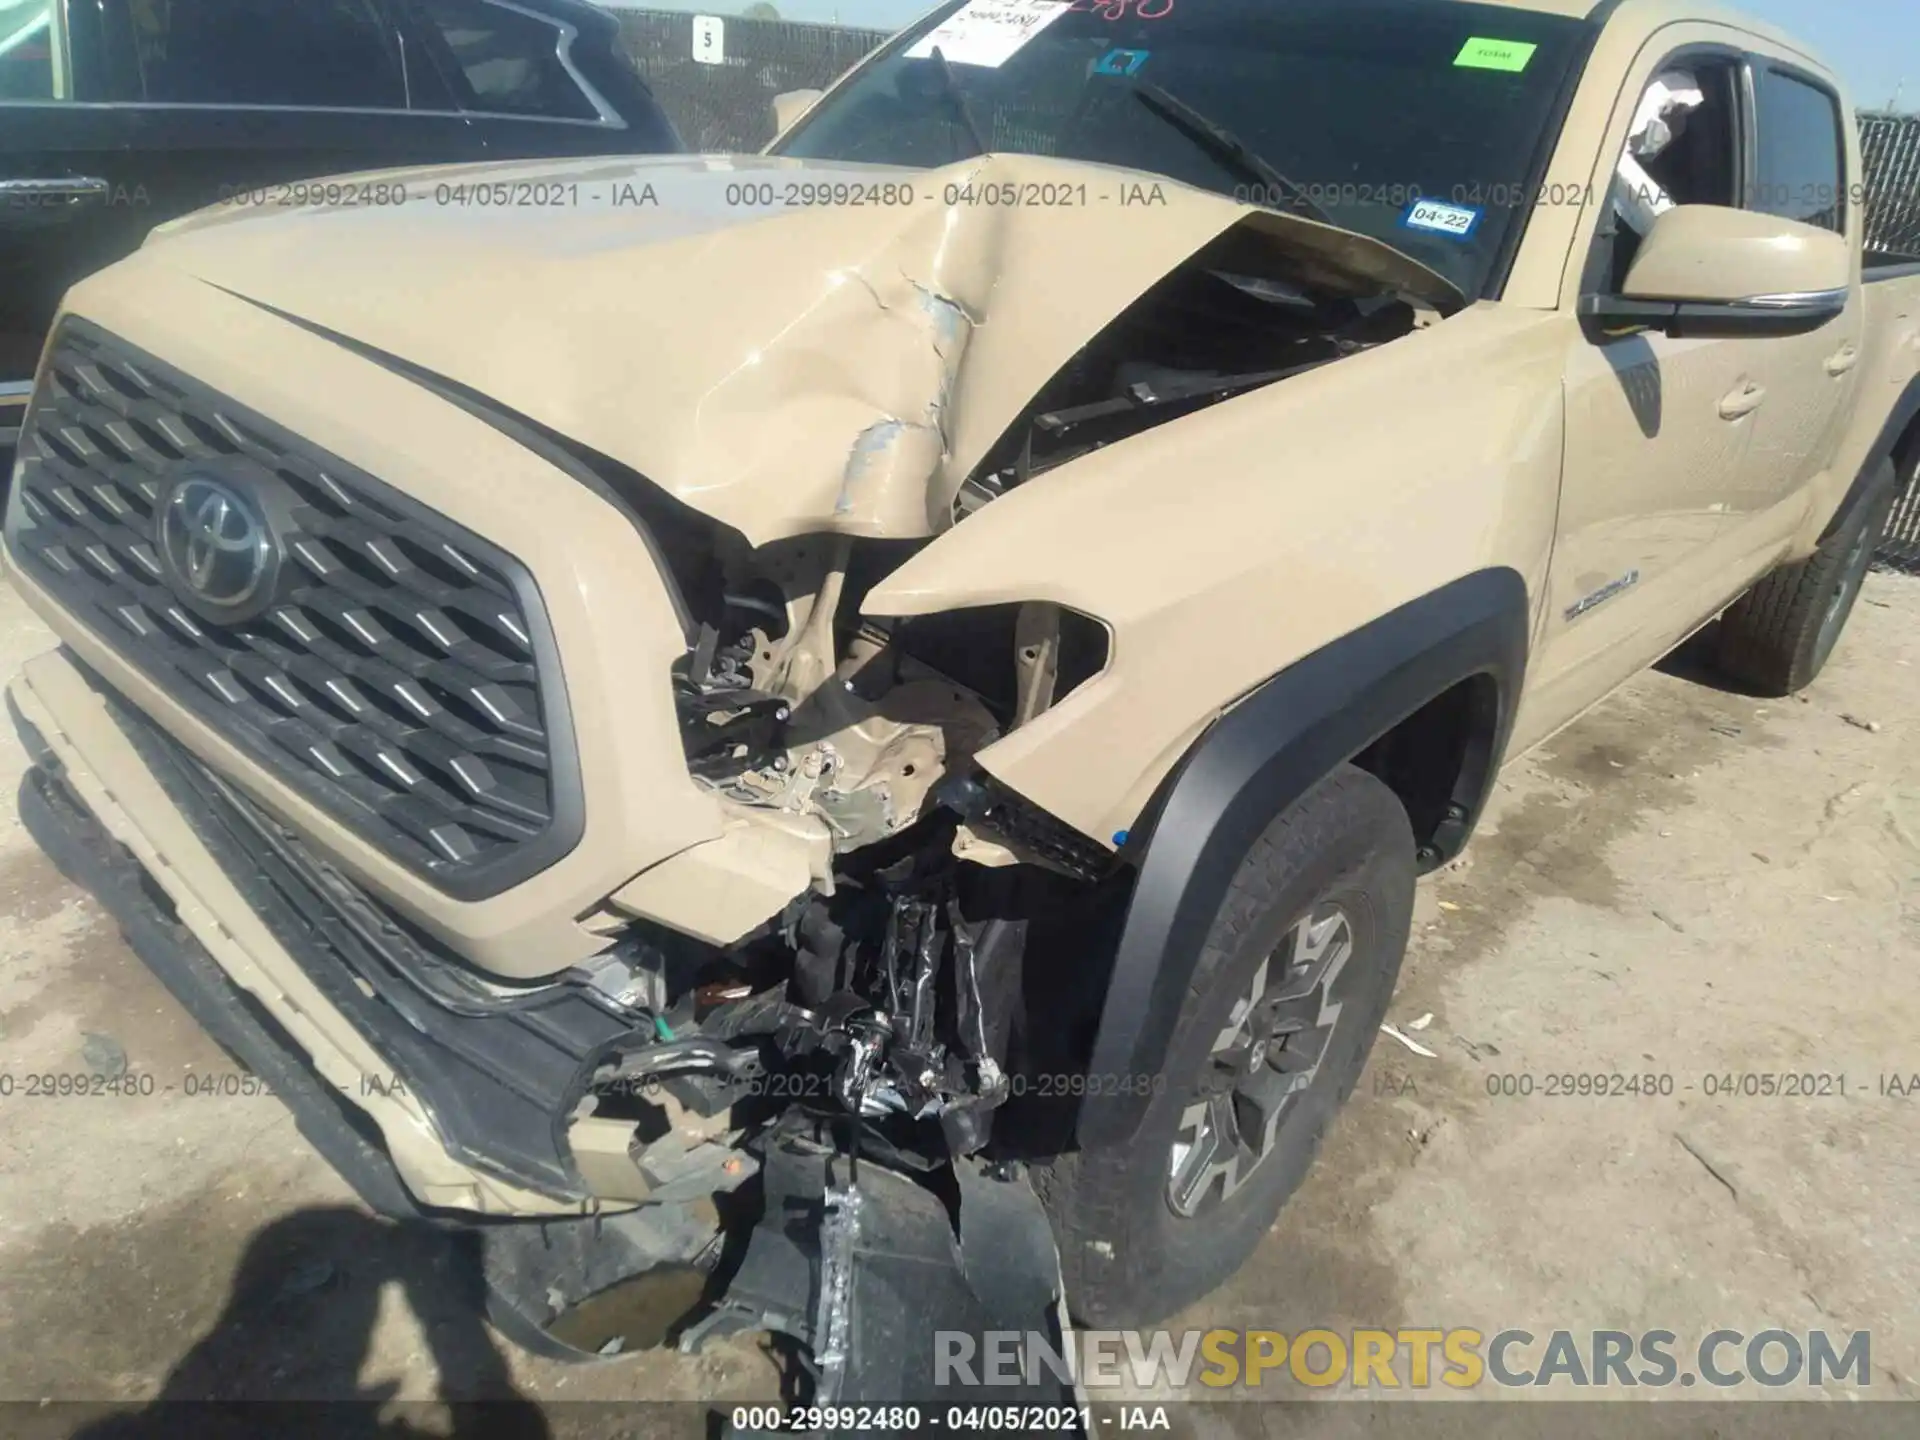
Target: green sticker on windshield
<point x="1480" y="53"/>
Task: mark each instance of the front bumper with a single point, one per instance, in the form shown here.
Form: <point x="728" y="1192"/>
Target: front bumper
<point x="859" y="1263"/>
<point x="532" y="1271"/>
<point x="83" y="851"/>
<point x="99" y="802"/>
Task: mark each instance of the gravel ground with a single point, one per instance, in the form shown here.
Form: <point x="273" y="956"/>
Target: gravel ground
<point x="1686" y="883"/>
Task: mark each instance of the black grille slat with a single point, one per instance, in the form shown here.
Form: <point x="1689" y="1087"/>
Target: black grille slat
<point x="405" y="681"/>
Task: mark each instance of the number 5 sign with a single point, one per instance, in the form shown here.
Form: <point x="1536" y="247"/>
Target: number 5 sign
<point x="709" y="39"/>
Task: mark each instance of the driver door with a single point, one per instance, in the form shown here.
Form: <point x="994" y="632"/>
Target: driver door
<point x="1658" y="432"/>
<point x="1802" y="161"/>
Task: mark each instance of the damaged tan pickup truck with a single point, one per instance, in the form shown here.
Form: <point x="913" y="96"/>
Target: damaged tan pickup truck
<point x="946" y="645"/>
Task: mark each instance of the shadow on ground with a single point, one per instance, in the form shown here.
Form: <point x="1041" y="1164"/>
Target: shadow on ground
<point x="297" y="1329"/>
<point x="1696" y="660"/>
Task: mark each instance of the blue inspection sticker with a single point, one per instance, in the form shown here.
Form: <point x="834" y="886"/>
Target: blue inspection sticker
<point x="1456" y="222"/>
<point x="1121" y="62"/>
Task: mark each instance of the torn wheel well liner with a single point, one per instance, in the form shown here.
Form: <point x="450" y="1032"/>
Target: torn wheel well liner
<point x="1259" y="758"/>
<point x="1438" y="761"/>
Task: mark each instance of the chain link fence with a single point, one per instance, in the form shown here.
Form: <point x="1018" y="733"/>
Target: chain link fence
<point x="1900" y="549"/>
<point x="1890" y="155"/>
<point x="1890" y="146"/>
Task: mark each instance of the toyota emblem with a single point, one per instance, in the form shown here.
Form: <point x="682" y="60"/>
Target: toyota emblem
<point x="216" y="547"/>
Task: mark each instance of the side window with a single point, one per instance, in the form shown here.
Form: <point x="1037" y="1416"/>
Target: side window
<point x="330" y="54"/>
<point x="1690" y="147"/>
<point x="1799" y="149"/>
<point x="511" y="59"/>
<point x="1683" y="148"/>
<point x="28" y="53"/>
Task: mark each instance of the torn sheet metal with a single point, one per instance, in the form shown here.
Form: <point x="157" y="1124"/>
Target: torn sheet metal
<point x="783" y="364"/>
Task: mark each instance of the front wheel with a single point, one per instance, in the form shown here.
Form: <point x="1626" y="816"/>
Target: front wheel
<point x="1292" y="984"/>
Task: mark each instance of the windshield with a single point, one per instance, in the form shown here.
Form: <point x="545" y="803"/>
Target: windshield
<point x="1412" y="121"/>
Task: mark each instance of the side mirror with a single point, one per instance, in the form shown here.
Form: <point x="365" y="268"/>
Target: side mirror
<point x="790" y="106"/>
<point x="1711" y="270"/>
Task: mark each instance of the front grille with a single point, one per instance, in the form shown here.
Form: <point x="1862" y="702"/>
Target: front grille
<point x="405" y="681"/>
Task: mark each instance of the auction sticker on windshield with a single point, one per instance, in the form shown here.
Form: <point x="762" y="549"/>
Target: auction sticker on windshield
<point x="988" y="32"/>
<point x="1455" y="221"/>
<point x="1480" y="53"/>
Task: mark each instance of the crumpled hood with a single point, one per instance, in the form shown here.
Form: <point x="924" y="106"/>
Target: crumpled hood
<point x="787" y="346"/>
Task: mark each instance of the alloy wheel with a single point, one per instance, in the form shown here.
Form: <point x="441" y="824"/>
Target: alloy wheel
<point x="1262" y="1062"/>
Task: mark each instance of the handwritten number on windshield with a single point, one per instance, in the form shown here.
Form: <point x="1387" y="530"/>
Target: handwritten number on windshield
<point x="1117" y="9"/>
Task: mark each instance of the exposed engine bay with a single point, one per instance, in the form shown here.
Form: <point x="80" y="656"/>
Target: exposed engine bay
<point x="906" y="987"/>
<point x="1224" y="324"/>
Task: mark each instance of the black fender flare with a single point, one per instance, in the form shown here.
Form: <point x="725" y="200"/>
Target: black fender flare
<point x="1901" y="419"/>
<point x="1250" y="765"/>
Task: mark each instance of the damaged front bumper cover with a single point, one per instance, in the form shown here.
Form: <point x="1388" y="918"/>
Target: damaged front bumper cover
<point x="855" y="1261"/>
<point x="498" y="1070"/>
<point x="534" y="1269"/>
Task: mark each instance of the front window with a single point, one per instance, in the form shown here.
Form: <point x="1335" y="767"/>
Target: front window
<point x="1368" y="105"/>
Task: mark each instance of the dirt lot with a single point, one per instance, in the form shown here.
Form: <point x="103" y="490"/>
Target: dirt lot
<point x="1686" y="883"/>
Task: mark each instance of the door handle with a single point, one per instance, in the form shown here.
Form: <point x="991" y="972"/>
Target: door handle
<point x="1843" y="360"/>
<point x="1742" y="402"/>
<point x="66" y="187"/>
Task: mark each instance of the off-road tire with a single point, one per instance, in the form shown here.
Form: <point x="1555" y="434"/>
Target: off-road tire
<point x="1777" y="638"/>
<point x="1127" y="1257"/>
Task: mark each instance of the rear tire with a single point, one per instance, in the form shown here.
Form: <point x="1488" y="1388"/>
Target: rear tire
<point x="1777" y="638"/>
<point x="1149" y="1227"/>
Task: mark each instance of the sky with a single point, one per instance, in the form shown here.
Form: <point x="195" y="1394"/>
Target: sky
<point x="1874" y="43"/>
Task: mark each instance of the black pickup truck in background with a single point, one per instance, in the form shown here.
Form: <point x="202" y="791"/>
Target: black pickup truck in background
<point x="116" y="115"/>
